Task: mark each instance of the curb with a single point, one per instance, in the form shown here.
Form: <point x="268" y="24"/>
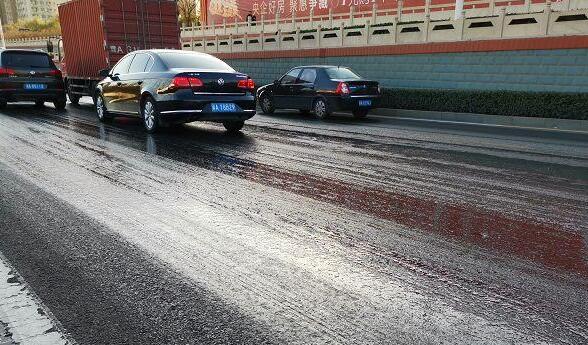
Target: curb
<point x="494" y="120"/>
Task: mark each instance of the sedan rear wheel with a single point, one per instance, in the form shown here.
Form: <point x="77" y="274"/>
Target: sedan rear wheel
<point x="360" y="113"/>
<point x="60" y="103"/>
<point x="150" y="116"/>
<point x="267" y="105"/>
<point x="233" y="126"/>
<point x="321" y="109"/>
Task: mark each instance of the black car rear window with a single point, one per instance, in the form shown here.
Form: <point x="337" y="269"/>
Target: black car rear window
<point x="342" y="73"/>
<point x="26" y="60"/>
<point x="196" y="61"/>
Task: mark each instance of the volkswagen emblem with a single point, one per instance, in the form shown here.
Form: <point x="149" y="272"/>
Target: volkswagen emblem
<point x="221" y="82"/>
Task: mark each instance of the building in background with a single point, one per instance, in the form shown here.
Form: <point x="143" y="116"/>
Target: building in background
<point x="8" y="11"/>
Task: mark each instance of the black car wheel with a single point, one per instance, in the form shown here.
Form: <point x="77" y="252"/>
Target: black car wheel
<point x="267" y="104"/>
<point x="101" y="111"/>
<point x="60" y="103"/>
<point x="150" y="115"/>
<point x="321" y="109"/>
<point x="233" y="126"/>
<point x="39" y="104"/>
<point x="360" y="113"/>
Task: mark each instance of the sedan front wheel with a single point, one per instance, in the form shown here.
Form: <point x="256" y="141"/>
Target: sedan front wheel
<point x="150" y="116"/>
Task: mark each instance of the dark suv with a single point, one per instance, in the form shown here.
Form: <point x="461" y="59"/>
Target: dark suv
<point x="28" y="75"/>
<point x="322" y="90"/>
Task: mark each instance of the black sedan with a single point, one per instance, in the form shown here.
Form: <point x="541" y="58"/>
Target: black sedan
<point x="172" y="87"/>
<point x="322" y="90"/>
<point x="29" y="75"/>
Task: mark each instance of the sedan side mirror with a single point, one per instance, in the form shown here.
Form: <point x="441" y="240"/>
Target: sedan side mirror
<point x="104" y="72"/>
<point x="276" y="82"/>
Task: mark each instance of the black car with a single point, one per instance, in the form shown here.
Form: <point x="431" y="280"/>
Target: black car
<point x="29" y="75"/>
<point x="322" y="90"/>
<point x="172" y="87"/>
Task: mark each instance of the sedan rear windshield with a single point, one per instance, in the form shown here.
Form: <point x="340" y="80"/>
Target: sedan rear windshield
<point x="196" y="61"/>
<point x="342" y="73"/>
<point x="26" y="60"/>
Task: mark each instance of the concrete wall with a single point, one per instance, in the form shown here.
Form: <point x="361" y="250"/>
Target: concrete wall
<point x="563" y="70"/>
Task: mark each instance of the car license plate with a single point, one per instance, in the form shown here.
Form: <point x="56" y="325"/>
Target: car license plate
<point x="365" y="102"/>
<point x="29" y="86"/>
<point x="223" y="107"/>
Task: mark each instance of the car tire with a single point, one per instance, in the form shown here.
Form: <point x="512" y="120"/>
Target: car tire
<point x="150" y="115"/>
<point x="39" y="104"/>
<point x="101" y="111"/>
<point x="233" y="126"/>
<point x="321" y="109"/>
<point x="360" y="113"/>
<point x="60" y="103"/>
<point x="267" y="104"/>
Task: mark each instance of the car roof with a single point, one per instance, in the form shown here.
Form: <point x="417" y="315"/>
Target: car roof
<point x="38" y="51"/>
<point x="175" y="51"/>
<point x="320" y="66"/>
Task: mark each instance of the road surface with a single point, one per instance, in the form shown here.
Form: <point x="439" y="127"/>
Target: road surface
<point x="297" y="231"/>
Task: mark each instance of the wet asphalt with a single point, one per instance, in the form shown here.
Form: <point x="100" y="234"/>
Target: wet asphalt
<point x="297" y="231"/>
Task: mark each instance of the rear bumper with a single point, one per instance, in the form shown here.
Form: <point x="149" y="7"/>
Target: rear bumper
<point x="180" y="116"/>
<point x="350" y="103"/>
<point x="31" y="96"/>
<point x="188" y="110"/>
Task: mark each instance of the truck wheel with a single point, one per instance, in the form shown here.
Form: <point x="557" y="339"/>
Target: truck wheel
<point x="101" y="111"/>
<point x="73" y="98"/>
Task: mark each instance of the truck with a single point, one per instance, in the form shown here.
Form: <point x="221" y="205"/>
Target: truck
<point x="98" y="33"/>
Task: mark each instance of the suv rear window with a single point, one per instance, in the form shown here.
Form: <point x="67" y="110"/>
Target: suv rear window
<point x="342" y="73"/>
<point x="196" y="61"/>
<point x="26" y="60"/>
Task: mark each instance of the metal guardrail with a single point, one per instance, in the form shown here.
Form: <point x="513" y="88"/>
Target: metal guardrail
<point x="429" y="23"/>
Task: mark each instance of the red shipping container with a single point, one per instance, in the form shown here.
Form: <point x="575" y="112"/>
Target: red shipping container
<point x="97" y="33"/>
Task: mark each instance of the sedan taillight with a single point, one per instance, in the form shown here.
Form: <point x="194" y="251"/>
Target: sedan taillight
<point x="342" y="89"/>
<point x="185" y="83"/>
<point x="6" y="72"/>
<point x="248" y="84"/>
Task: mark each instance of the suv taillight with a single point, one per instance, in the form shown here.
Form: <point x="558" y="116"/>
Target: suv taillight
<point x="342" y="89"/>
<point x="6" y="72"/>
<point x="185" y="83"/>
<point x="55" y="73"/>
<point x="246" y="84"/>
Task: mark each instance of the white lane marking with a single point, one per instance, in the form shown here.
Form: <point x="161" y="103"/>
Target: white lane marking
<point x="25" y="317"/>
